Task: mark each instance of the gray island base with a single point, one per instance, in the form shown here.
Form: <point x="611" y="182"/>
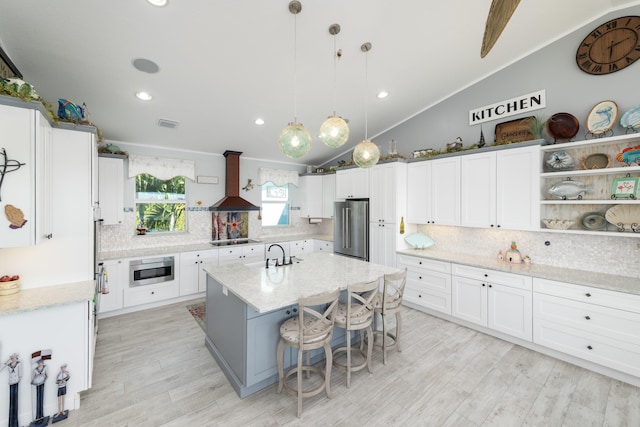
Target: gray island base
<point x="246" y="304"/>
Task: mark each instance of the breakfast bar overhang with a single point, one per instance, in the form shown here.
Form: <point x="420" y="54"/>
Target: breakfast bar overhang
<point x="247" y="303"/>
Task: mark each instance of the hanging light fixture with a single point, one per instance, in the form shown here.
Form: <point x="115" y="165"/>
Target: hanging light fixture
<point x="294" y="139"/>
<point x="334" y="132"/>
<point x="366" y="153"/>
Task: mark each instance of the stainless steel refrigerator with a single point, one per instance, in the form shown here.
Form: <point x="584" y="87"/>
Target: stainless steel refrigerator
<point x="351" y="228"/>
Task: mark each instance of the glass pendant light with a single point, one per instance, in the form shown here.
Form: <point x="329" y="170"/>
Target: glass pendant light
<point x="334" y="132"/>
<point x="294" y="139"/>
<point x="366" y="154"/>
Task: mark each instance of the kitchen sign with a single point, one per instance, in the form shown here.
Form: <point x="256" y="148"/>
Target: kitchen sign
<point x="510" y="107"/>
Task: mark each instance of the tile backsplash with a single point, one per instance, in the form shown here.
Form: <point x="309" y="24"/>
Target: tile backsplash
<point x="604" y="254"/>
<point x="123" y="237"/>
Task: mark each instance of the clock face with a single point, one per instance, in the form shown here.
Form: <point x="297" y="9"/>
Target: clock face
<point x="611" y="47"/>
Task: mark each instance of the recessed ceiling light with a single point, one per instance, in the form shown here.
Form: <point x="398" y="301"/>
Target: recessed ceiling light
<point x="144" y="96"/>
<point x="383" y="94"/>
<point x="259" y="121"/>
<point x="158" y="3"/>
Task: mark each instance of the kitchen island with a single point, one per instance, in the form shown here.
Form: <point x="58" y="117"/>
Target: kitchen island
<point x="246" y="304"/>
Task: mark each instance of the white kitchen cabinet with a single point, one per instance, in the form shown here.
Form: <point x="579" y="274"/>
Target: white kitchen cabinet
<point x="193" y="278"/>
<point x="323" y="246"/>
<point x="117" y="278"/>
<point x="310" y="187"/>
<point x="241" y="254"/>
<point x="328" y="195"/>
<point x="24" y="147"/>
<point x="500" y="189"/>
<point x="494" y="299"/>
<point x="433" y="191"/>
<point x="382" y="248"/>
<point x="352" y="183"/>
<point x="382" y="186"/>
<point x="111" y="180"/>
<point x="597" y="325"/>
<point x="428" y="283"/>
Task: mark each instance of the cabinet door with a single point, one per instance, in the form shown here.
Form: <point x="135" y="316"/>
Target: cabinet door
<point x="419" y="192"/>
<point x="382" y="194"/>
<point x="382" y="244"/>
<point x="343" y="185"/>
<point x="206" y="257"/>
<point x="252" y="253"/>
<point x="189" y="266"/>
<point x="359" y="183"/>
<point x="469" y="300"/>
<point x="518" y="188"/>
<point x="116" y="276"/>
<point x="445" y="191"/>
<point x="478" y="190"/>
<point x="296" y="248"/>
<point x="18" y="186"/>
<point x="310" y="188"/>
<point x="328" y="195"/>
<point x="510" y="311"/>
<point x="111" y="178"/>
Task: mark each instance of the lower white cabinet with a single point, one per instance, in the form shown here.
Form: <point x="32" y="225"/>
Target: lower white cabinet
<point x="382" y="248"/>
<point x="594" y="324"/>
<point x="242" y="254"/>
<point x="323" y="245"/>
<point x="117" y="271"/>
<point x="193" y="278"/>
<point x="151" y="293"/>
<point x="428" y="283"/>
<point x="500" y="301"/>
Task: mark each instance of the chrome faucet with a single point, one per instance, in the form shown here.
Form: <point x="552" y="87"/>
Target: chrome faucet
<point x="284" y="257"/>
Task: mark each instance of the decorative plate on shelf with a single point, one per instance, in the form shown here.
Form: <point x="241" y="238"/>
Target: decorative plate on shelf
<point x="624" y="217"/>
<point x="596" y="161"/>
<point x="593" y="221"/>
<point x="562" y="126"/>
<point x="631" y="119"/>
<point x="629" y="155"/>
<point x="602" y="117"/>
<point x="559" y="161"/>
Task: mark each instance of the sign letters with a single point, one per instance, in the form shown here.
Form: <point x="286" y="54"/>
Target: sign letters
<point x="510" y="107"/>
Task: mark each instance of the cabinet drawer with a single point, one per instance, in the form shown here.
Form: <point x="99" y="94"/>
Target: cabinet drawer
<point x="618" y="324"/>
<point x="440" y="282"/>
<point x="492" y="276"/>
<point x="150" y="293"/>
<point x="596" y="348"/>
<point x="613" y="299"/>
<point x="429" y="298"/>
<point x="412" y="262"/>
<point x="323" y="245"/>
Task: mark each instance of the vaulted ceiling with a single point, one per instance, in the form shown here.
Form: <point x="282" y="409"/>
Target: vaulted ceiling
<point x="223" y="64"/>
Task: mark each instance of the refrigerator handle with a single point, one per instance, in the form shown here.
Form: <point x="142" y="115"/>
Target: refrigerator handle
<point x="347" y="235"/>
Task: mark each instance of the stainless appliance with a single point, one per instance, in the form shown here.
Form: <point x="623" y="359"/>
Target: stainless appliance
<point x="151" y="270"/>
<point x="351" y="228"/>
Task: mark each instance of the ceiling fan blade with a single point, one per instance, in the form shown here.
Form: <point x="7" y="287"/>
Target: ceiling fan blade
<point x="499" y="14"/>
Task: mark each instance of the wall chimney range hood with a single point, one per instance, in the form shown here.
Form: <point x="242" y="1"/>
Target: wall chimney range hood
<point x="232" y="200"/>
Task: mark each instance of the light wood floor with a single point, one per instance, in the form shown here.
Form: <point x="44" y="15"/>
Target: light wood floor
<point x="152" y="369"/>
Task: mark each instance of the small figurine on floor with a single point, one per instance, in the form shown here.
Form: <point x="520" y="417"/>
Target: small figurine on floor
<point x="61" y="381"/>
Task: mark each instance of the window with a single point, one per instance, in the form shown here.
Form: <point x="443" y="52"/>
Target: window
<point x="275" y="204"/>
<point x="160" y="205"/>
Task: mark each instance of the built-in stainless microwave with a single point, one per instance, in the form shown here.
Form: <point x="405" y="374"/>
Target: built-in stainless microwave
<point x="151" y="270"/>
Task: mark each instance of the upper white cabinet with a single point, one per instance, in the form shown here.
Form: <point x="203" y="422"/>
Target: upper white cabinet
<point x="434" y="191"/>
<point x="587" y="211"/>
<point x="500" y="189"/>
<point x="24" y="150"/>
<point x="328" y="195"/>
<point x="310" y="186"/>
<point x="352" y="183"/>
<point x="111" y="181"/>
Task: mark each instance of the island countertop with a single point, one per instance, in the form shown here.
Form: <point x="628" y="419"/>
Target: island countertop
<point x="267" y="289"/>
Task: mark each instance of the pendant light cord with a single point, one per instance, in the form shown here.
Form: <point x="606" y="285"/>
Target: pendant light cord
<point x="335" y="90"/>
<point x="295" y="68"/>
<point x="366" y="104"/>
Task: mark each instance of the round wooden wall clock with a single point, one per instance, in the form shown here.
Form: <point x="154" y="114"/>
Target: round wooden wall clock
<point x="611" y="46"/>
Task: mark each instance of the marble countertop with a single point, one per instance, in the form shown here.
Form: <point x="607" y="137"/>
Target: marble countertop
<point x="579" y="277"/>
<point x="267" y="289"/>
<point x="202" y="246"/>
<point x="49" y="296"/>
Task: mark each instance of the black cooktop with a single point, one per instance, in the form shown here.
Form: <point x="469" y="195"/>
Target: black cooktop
<point x="233" y="242"/>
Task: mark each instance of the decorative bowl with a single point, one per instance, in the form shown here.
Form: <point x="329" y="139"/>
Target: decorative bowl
<point x="10" y="287"/>
<point x="596" y="161"/>
<point x="593" y="221"/>
<point x="419" y="241"/>
<point x="624" y="217"/>
<point x="559" y="161"/>
<point x="558" y="224"/>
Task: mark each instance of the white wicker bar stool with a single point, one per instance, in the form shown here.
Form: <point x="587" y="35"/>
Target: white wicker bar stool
<point x="310" y="330"/>
<point x="389" y="303"/>
<point x="356" y="314"/>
